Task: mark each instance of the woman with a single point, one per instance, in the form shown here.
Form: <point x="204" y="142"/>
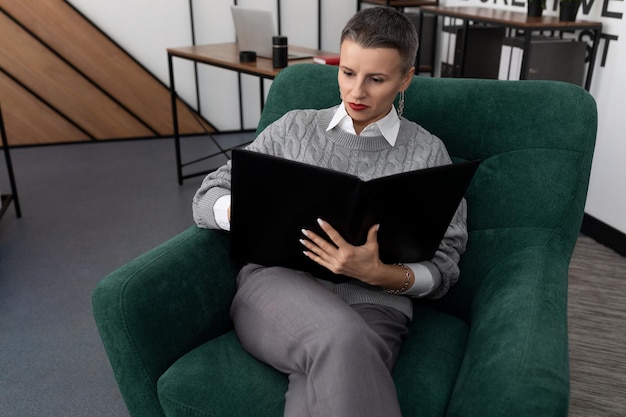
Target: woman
<point x="338" y="342"/>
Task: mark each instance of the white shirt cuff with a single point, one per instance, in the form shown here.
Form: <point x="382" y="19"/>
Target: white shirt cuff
<point x="423" y="283"/>
<point x="220" y="212"/>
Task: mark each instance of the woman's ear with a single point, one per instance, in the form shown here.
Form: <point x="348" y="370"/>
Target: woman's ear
<point x="408" y="77"/>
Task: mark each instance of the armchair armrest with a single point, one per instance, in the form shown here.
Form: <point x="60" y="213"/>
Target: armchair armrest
<point x="160" y="306"/>
<point x="516" y="360"/>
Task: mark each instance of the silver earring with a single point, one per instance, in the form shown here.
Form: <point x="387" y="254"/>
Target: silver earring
<point x="401" y="105"/>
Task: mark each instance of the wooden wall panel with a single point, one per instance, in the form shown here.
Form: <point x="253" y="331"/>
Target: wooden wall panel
<point x="64" y="88"/>
<point x="49" y="126"/>
<point x="59" y="57"/>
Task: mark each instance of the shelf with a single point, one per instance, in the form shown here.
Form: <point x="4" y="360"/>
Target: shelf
<point x="516" y="20"/>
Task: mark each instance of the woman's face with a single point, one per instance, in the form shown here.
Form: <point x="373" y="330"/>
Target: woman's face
<point x="369" y="80"/>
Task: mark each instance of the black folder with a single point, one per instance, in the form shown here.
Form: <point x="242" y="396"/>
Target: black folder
<point x="273" y="199"/>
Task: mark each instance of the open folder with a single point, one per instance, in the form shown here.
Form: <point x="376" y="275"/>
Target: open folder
<point x="273" y="199"/>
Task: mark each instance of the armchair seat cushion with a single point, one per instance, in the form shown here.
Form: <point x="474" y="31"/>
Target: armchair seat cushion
<point x="219" y="378"/>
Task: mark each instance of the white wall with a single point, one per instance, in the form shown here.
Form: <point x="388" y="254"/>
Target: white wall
<point x="607" y="191"/>
<point x="145" y="28"/>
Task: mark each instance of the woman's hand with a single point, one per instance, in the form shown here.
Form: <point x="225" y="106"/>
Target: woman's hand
<point x="360" y="262"/>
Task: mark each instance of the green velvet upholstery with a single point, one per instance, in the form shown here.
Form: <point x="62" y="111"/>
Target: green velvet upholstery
<point x="496" y="345"/>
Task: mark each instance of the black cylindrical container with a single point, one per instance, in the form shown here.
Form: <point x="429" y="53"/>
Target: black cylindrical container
<point x="279" y="51"/>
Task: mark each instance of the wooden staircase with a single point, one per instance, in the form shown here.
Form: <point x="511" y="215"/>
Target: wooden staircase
<point x="64" y="80"/>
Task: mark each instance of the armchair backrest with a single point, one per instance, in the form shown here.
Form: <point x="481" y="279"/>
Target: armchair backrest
<point x="535" y="138"/>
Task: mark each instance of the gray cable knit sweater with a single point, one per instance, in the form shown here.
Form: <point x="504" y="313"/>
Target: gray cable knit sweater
<point x="301" y="135"/>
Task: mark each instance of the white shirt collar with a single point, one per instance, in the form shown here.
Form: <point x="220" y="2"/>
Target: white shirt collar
<point x="388" y="126"/>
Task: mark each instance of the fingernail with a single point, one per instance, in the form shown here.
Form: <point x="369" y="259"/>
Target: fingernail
<point x="320" y="222"/>
<point x="302" y="241"/>
<point x="305" y="232"/>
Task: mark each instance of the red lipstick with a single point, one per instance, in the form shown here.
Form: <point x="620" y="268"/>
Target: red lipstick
<point x="357" y="107"/>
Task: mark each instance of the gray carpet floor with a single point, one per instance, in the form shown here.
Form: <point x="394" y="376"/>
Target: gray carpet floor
<point x="88" y="209"/>
<point x="597" y="331"/>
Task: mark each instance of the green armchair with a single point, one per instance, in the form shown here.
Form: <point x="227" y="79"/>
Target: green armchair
<point x="496" y="345"/>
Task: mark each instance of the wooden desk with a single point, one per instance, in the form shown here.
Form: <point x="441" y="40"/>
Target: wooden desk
<point x="520" y="20"/>
<point x="225" y="55"/>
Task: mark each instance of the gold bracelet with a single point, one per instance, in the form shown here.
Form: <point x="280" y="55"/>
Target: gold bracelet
<point x="407" y="272"/>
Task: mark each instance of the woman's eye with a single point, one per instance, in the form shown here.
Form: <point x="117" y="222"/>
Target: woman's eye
<point x="377" y="80"/>
<point x="347" y="73"/>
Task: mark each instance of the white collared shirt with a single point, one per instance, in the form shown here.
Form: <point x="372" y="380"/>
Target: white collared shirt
<point x="388" y="126"/>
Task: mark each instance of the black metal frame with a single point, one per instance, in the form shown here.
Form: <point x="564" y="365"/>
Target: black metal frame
<point x="174" y="103"/>
<point x="6" y="199"/>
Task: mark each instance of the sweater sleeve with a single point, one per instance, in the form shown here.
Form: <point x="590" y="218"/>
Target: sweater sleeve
<point x="447" y="257"/>
<point x="214" y="186"/>
<point x="218" y="183"/>
<point x="453" y="244"/>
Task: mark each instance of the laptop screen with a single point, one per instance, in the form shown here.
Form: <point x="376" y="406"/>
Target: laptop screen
<point x="254" y="29"/>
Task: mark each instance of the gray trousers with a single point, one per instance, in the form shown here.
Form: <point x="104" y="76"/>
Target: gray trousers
<point x="338" y="357"/>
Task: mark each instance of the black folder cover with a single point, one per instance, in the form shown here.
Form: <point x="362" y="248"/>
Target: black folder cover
<point x="273" y="199"/>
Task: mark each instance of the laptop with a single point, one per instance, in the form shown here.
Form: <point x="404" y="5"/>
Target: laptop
<point x="255" y="29"/>
<point x="273" y="199"/>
